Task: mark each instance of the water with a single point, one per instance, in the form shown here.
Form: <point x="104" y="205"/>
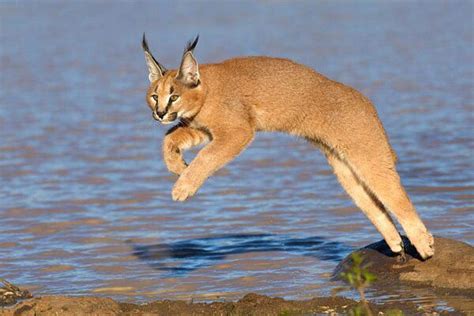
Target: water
<point x="85" y="197"/>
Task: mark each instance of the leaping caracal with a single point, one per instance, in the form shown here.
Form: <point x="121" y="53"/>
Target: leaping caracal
<point x="226" y="103"/>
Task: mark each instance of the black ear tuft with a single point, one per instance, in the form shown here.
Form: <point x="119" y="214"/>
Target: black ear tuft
<point x="145" y="44"/>
<point x="191" y="45"/>
<point x="149" y="55"/>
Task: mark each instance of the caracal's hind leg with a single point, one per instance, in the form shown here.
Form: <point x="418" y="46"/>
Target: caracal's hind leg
<point x="372" y="208"/>
<point x="384" y="182"/>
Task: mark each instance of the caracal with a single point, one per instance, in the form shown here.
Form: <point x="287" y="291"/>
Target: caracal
<point x="226" y="103"/>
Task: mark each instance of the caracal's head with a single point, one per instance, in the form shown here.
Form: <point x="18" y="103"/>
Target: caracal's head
<point x="174" y="94"/>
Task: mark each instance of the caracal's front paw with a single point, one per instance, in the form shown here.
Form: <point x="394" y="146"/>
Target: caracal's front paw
<point x="182" y="190"/>
<point x="424" y="244"/>
<point x="176" y="167"/>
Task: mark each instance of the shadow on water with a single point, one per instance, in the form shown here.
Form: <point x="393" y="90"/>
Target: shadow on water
<point x="188" y="255"/>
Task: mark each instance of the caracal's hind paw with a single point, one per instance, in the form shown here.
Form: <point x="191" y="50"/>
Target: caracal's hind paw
<point x="424" y="244"/>
<point x="402" y="257"/>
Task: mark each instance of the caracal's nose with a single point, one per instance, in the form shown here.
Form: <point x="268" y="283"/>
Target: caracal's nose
<point x="160" y="114"/>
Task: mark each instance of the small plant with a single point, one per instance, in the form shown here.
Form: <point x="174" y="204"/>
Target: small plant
<point x="359" y="277"/>
<point x="10" y="293"/>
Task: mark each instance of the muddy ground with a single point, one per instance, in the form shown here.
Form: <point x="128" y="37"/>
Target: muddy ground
<point x="250" y="304"/>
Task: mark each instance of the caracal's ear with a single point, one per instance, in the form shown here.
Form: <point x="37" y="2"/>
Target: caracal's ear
<point x="188" y="72"/>
<point x="155" y="69"/>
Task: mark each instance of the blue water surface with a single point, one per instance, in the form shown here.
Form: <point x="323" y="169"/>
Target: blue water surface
<point x="85" y="197"/>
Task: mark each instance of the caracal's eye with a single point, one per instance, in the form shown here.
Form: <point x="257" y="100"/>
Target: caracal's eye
<point x="155" y="97"/>
<point x="174" y="97"/>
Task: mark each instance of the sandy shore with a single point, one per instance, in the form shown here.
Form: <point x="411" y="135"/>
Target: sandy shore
<point x="250" y="304"/>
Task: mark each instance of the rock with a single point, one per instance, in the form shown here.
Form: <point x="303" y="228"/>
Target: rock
<point x="452" y="266"/>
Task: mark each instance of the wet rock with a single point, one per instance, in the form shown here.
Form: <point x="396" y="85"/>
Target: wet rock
<point x="452" y="266"/>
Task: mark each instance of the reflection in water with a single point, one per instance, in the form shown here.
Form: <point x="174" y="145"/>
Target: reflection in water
<point x="80" y="159"/>
<point x="188" y="255"/>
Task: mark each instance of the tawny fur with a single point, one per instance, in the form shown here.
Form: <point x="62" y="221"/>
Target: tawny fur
<point x="226" y="103"/>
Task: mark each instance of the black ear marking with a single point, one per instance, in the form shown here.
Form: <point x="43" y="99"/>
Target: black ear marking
<point x="188" y="72"/>
<point x="145" y="44"/>
<point x="146" y="49"/>
<point x="191" y="45"/>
